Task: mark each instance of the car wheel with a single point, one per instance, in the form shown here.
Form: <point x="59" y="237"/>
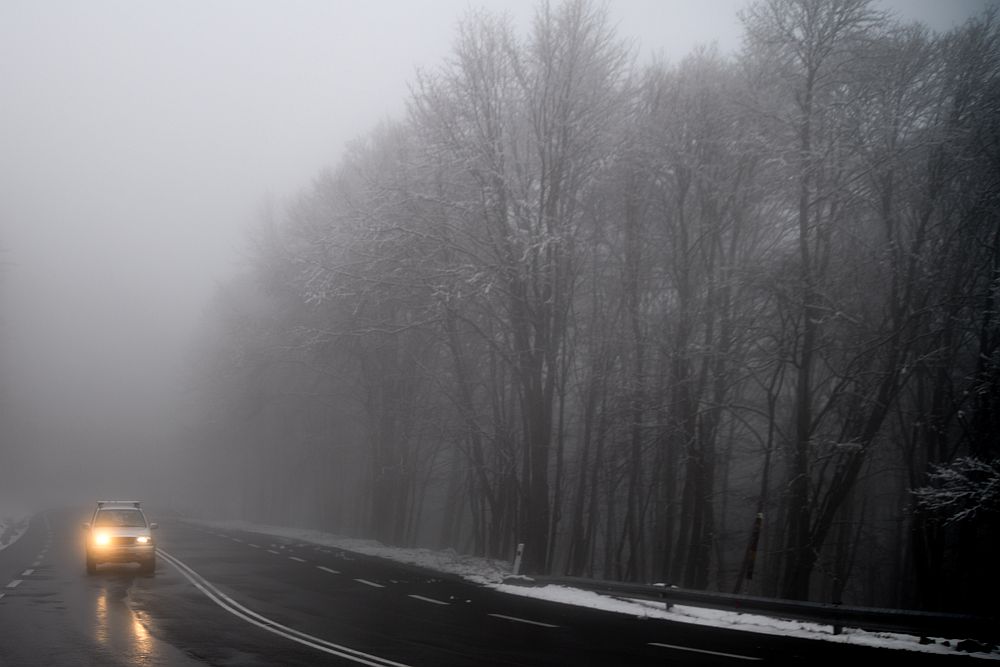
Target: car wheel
<point x="148" y="567"/>
<point x="91" y="565"/>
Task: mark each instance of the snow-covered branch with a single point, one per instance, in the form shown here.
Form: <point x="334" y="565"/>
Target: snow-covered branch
<point x="962" y="489"/>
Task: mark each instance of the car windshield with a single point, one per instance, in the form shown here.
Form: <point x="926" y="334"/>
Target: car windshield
<point x="120" y="518"/>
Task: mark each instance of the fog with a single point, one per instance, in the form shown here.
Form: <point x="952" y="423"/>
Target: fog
<point x="138" y="143"/>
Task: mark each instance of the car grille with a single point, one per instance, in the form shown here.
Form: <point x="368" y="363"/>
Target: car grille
<point x="121" y="541"/>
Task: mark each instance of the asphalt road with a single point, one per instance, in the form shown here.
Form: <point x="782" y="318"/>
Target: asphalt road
<point x="238" y="598"/>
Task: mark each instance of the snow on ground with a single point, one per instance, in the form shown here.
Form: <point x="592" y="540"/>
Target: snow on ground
<point x="13" y="523"/>
<point x="492" y="573"/>
<point x="477" y="570"/>
<point x="736" y="621"/>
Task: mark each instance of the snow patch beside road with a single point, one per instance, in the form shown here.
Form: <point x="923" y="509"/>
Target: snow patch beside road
<point x="735" y="621"/>
<point x="13" y="524"/>
<point x="491" y="573"/>
<point x="474" y="569"/>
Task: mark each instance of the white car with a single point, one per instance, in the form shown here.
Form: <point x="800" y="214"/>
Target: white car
<point x="119" y="533"/>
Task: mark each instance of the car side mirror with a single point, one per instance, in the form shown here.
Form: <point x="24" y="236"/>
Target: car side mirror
<point x="86" y="525"/>
<point x="154" y="526"/>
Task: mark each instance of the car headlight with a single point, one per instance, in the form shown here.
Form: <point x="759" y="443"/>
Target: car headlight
<point x="142" y="539"/>
<point x="102" y="539"/>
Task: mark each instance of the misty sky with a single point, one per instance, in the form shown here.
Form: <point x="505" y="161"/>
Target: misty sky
<point x="138" y="140"/>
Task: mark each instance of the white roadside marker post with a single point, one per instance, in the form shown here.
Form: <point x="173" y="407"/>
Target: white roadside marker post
<point x="517" y="558"/>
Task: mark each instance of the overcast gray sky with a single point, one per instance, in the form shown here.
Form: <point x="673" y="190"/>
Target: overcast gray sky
<point x="138" y="140"/>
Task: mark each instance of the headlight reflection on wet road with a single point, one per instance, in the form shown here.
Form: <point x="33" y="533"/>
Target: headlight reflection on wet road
<point x="118" y="629"/>
<point x="101" y="617"/>
<point x="143" y="642"/>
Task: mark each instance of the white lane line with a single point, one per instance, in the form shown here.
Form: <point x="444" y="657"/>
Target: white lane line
<point x="326" y="569"/>
<point x="700" y="650"/>
<point x="37" y="562"/>
<point x="369" y="583"/>
<point x="301" y="560"/>
<point x="255" y="546"/>
<point x="272" y="551"/>
<point x="524" y="620"/>
<point x="27" y="573"/>
<point x="1" y="595"/>
<point x="14" y="583"/>
<point x="431" y="600"/>
<point x="238" y="610"/>
<point x="236" y="539"/>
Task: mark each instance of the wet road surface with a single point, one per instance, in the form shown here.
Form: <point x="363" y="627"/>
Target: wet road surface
<point x="245" y="599"/>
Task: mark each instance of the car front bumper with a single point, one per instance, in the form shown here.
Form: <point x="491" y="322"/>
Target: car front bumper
<point x="121" y="554"/>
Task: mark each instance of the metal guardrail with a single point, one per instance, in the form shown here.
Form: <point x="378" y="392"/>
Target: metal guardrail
<point x="919" y="623"/>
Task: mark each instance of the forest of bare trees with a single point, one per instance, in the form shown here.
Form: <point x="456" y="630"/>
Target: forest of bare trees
<point x="617" y="313"/>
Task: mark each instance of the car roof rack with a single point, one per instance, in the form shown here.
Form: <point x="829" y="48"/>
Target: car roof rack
<point x="133" y="503"/>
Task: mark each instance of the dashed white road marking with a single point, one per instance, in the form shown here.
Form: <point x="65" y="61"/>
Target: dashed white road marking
<point x="326" y="569"/>
<point x="1" y="595"/>
<point x="255" y="546"/>
<point x="272" y="551"/>
<point x="250" y="616"/>
<point x="524" y="620"/>
<point x="301" y="560"/>
<point x="236" y="539"/>
<point x="14" y="584"/>
<point x="431" y="600"/>
<point x="700" y="650"/>
<point x="37" y="562"/>
<point x="369" y="583"/>
<point x="27" y="573"/>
